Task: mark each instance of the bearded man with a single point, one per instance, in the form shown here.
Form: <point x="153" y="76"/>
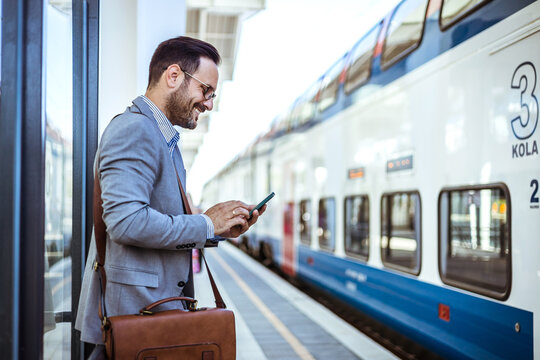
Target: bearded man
<point x="139" y="167"/>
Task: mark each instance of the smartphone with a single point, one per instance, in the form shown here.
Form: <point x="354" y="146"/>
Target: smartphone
<point x="261" y="204"/>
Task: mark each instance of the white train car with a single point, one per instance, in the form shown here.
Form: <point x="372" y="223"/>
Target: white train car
<point x="407" y="178"/>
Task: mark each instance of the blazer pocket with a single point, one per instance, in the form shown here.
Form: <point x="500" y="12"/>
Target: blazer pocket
<point x="132" y="277"/>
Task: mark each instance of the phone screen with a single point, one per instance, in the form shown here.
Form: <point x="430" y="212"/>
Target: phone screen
<point x="261" y="204"/>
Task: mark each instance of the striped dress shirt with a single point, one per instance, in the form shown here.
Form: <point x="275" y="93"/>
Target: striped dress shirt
<point x="171" y="138"/>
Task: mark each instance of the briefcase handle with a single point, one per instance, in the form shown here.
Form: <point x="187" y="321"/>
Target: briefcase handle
<point x="146" y="310"/>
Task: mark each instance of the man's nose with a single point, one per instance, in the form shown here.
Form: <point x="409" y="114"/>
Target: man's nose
<point x="209" y="104"/>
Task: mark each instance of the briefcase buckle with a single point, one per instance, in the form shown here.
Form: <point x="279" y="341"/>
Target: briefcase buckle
<point x="192" y="306"/>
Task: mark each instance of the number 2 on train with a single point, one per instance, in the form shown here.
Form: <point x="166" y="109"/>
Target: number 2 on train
<point x="534" y="185"/>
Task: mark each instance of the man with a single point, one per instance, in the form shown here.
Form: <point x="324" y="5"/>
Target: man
<point x="149" y="237"/>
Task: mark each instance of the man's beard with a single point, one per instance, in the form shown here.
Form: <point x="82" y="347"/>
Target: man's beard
<point x="179" y="110"/>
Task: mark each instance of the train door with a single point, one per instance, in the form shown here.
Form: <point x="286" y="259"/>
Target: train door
<point x="288" y="239"/>
<point x="288" y="249"/>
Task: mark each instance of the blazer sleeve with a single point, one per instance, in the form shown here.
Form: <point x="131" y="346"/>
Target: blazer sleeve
<point x="129" y="163"/>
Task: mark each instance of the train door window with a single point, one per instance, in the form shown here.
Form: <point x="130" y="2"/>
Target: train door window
<point x="305" y="222"/>
<point x="474" y="239"/>
<point x="357" y="226"/>
<point x="329" y="86"/>
<point x="326" y="228"/>
<point x="359" y="68"/>
<point x="452" y="11"/>
<point x="400" y="230"/>
<point x="404" y="32"/>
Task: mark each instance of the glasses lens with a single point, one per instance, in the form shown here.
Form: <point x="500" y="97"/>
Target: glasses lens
<point x="209" y="95"/>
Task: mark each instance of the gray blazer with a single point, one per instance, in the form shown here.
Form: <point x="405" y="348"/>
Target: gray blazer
<point x="149" y="237"/>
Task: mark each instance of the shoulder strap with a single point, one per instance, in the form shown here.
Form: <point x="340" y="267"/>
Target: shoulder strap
<point x="217" y="295"/>
<point x="100" y="232"/>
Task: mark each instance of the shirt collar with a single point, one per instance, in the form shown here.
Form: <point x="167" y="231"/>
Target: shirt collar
<point x="167" y="130"/>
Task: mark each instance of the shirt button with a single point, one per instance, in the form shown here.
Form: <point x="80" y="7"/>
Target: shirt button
<point x="181" y="284"/>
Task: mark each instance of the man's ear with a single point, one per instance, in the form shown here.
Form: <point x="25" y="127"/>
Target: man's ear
<point x="174" y="76"/>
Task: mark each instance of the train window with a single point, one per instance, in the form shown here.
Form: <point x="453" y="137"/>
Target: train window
<point x="329" y="86"/>
<point x="400" y="231"/>
<point x="357" y="226"/>
<point x="326" y="228"/>
<point x="304" y="109"/>
<point x="474" y="239"/>
<point x="289" y="120"/>
<point x="300" y="113"/>
<point x="360" y="61"/>
<point x="453" y="11"/>
<point x="404" y="32"/>
<point x="305" y="222"/>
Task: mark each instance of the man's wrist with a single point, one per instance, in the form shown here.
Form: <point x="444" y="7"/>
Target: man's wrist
<point x="209" y="227"/>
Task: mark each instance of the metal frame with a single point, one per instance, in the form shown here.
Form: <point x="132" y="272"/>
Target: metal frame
<point x="33" y="187"/>
<point x="85" y="139"/>
<point x="22" y="185"/>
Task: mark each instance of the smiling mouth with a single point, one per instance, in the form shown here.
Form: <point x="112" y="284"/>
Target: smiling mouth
<point x="199" y="109"/>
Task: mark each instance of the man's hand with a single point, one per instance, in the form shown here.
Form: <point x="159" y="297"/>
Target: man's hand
<point x="230" y="218"/>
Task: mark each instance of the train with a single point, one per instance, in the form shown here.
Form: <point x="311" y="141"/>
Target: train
<point x="407" y="178"/>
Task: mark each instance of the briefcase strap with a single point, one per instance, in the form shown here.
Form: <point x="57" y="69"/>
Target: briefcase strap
<point x="100" y="233"/>
<point x="217" y="296"/>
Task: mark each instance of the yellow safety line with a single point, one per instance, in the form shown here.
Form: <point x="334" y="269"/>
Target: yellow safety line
<point x="297" y="346"/>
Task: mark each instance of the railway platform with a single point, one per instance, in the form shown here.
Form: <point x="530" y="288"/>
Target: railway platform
<point x="274" y="320"/>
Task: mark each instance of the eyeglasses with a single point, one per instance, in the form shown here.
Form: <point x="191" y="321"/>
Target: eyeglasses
<point x="208" y="92"/>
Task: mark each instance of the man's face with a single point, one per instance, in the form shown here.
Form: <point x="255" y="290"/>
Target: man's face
<point x="186" y="103"/>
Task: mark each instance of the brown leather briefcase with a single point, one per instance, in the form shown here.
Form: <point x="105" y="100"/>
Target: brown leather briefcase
<point x="203" y="334"/>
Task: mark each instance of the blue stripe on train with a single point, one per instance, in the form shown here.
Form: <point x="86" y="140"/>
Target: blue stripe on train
<point x="477" y="329"/>
<point x="434" y="43"/>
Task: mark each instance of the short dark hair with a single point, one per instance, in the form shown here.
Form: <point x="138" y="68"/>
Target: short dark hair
<point x="181" y="50"/>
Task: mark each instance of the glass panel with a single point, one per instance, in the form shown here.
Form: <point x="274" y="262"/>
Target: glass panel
<point x="357" y="225"/>
<point x="326" y="230"/>
<point x="58" y="176"/>
<point x="330" y="85"/>
<point x="305" y="222"/>
<point x="405" y="31"/>
<point x="454" y="9"/>
<point x="400" y="243"/>
<point x="477" y="238"/>
<point x="360" y="67"/>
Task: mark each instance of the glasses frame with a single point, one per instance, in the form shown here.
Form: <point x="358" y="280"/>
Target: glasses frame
<point x="208" y="87"/>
